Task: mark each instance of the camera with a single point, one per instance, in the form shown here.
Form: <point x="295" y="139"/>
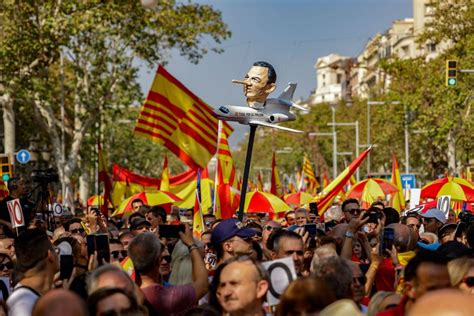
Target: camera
<point x="466" y="217"/>
<point x="45" y="176"/>
<point x="374" y="214"/>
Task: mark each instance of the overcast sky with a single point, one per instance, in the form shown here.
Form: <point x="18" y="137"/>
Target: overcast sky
<point x="290" y="34"/>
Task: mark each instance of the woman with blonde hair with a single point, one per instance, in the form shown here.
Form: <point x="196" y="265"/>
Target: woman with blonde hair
<point x="382" y="301"/>
<point x="461" y="274"/>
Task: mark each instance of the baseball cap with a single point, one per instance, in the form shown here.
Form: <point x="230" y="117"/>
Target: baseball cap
<point x="435" y="213"/>
<point x="432" y="247"/>
<point x="137" y="222"/>
<point x="229" y="228"/>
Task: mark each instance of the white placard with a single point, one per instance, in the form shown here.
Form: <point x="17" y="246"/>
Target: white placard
<point x="16" y="213"/>
<point x="414" y="197"/>
<point x="444" y="204"/>
<point x="58" y="210"/>
<point x="281" y="272"/>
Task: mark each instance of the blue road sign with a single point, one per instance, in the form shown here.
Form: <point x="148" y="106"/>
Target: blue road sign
<point x="408" y="181"/>
<point x="23" y="156"/>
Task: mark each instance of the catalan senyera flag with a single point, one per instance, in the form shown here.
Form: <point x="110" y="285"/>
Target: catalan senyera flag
<point x="398" y="199"/>
<point x="165" y="176"/>
<point x="227" y="197"/>
<point x="259" y="182"/>
<point x="175" y="117"/>
<point x="275" y="187"/>
<point x="106" y="182"/>
<point x="330" y="192"/>
<point x="198" y="221"/>
<point x="309" y="176"/>
<point x="326" y="180"/>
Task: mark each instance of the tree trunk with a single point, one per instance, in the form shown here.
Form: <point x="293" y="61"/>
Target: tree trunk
<point x="451" y="152"/>
<point x="8" y="124"/>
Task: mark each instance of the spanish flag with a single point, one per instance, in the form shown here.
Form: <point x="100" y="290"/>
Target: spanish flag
<point x="227" y="198"/>
<point x="106" y="182"/>
<point x="398" y="199"/>
<point x="275" y="187"/>
<point x="330" y="192"/>
<point x="175" y="117"/>
<point x="165" y="177"/>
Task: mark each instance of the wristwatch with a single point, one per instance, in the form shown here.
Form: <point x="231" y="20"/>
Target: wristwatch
<point x="349" y="234"/>
<point x="192" y="247"/>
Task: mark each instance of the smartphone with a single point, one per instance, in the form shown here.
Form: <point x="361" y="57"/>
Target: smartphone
<point x="170" y="231"/>
<point x="388" y="239"/>
<point x="311" y="229"/>
<point x="99" y="243"/>
<point x="66" y="264"/>
<point x="313" y="208"/>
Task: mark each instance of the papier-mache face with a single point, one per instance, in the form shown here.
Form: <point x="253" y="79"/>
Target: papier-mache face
<point x="256" y="84"/>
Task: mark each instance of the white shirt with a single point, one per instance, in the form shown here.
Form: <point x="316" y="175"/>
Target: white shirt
<point x="22" y="300"/>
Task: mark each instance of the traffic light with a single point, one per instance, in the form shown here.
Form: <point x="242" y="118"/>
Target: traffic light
<point x="6" y="167"/>
<point x="451" y="72"/>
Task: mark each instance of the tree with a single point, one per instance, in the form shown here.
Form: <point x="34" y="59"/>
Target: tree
<point x="100" y="44"/>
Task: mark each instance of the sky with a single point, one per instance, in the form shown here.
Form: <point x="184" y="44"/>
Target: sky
<point x="289" y="34"/>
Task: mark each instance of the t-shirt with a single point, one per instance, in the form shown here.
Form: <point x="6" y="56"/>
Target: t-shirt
<point x="172" y="300"/>
<point x="22" y="300"/>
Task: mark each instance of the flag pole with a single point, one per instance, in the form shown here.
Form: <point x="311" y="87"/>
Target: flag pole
<point x="248" y="160"/>
<point x="219" y="131"/>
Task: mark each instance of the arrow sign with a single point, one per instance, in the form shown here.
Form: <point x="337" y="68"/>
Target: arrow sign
<point x="23" y="156"/>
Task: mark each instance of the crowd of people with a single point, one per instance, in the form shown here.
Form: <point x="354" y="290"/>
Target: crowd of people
<point x="349" y="261"/>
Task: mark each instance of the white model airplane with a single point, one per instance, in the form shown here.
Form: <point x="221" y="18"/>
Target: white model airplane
<point x="275" y="110"/>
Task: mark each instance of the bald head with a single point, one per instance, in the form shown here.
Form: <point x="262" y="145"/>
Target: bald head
<point x="60" y="302"/>
<point x="405" y="237"/>
<point x="447" y="302"/>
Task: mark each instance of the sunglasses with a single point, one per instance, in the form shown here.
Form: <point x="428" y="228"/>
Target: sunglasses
<point x="469" y="281"/>
<point x="116" y="253"/>
<point x="8" y="266"/>
<point x="354" y="211"/>
<point x="269" y="228"/>
<point x="77" y="230"/>
<point x="361" y="279"/>
<point x="167" y="258"/>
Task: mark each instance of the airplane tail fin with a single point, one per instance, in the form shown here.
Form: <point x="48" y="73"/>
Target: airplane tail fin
<point x="287" y="94"/>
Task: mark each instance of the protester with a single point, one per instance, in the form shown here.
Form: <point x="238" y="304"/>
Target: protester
<point x="242" y="287"/>
<point x="461" y="274"/>
<point x="114" y="301"/>
<point x="350" y="209"/>
<point x="16" y="190"/>
<point x="37" y="261"/>
<point x="139" y="225"/>
<point x="156" y="216"/>
<point x="136" y="204"/>
<point x="442" y="303"/>
<point x="230" y="238"/>
<point x="60" y="302"/>
<point x="301" y="217"/>
<point x="285" y="243"/>
<point x="117" y="251"/>
<point x="269" y="227"/>
<point x="336" y="274"/>
<point x="433" y="219"/>
<point x="382" y="301"/>
<point x="145" y="252"/>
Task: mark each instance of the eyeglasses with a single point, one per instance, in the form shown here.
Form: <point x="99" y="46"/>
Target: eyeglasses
<point x="167" y="258"/>
<point x="8" y="266"/>
<point x="361" y="279"/>
<point x="353" y="211"/>
<point x="469" y="281"/>
<point x="414" y="225"/>
<point x="117" y="253"/>
<point x="77" y="231"/>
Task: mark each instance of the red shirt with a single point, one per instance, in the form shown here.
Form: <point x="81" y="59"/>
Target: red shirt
<point x="385" y="277"/>
<point x="172" y="300"/>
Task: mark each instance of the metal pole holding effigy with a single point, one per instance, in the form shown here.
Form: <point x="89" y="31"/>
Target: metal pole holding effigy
<point x="248" y="161"/>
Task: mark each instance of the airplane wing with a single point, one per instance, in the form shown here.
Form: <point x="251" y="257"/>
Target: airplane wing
<point x="274" y="126"/>
<point x="287" y="94"/>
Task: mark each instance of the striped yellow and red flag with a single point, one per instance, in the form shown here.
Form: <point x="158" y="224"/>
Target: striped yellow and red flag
<point x="175" y="117"/>
<point x="104" y="178"/>
<point x="198" y="221"/>
<point x="309" y="176"/>
<point x="326" y="180"/>
<point x="275" y="187"/>
<point x="398" y="199"/>
<point x="165" y="176"/>
<point x="227" y="199"/>
<point x="259" y="182"/>
<point x="331" y="191"/>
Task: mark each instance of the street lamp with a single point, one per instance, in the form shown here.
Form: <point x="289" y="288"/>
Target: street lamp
<point x="356" y="125"/>
<point x="369" y="103"/>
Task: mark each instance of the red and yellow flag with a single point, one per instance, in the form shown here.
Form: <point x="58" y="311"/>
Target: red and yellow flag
<point x="3" y="190"/>
<point x="259" y="182"/>
<point x="275" y="187"/>
<point x="398" y="199"/>
<point x="198" y="221"/>
<point x="309" y="177"/>
<point x="326" y="180"/>
<point x="165" y="176"/>
<point x="330" y="192"/>
<point x="175" y="117"/>
<point x="106" y="182"/>
<point x="227" y="199"/>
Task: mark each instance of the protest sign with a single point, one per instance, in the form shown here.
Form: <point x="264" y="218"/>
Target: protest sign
<point x="16" y="213"/>
<point x="444" y="204"/>
<point x="281" y="273"/>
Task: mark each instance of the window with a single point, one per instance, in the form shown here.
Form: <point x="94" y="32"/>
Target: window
<point x="339" y="78"/>
<point x="431" y="47"/>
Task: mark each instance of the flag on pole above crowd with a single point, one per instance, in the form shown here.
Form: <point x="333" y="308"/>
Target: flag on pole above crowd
<point x="104" y="178"/>
<point x="259" y="182"/>
<point x="308" y="183"/>
<point x="227" y="197"/>
<point x="275" y="187"/>
<point x="175" y="117"/>
<point x="330" y="192"/>
<point x="398" y="199"/>
<point x="165" y="176"/>
<point x="198" y="221"/>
